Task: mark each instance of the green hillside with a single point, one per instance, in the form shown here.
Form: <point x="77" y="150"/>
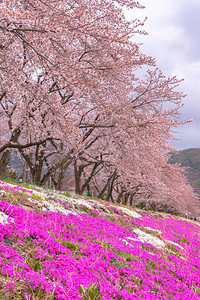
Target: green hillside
<point x="189" y="158"/>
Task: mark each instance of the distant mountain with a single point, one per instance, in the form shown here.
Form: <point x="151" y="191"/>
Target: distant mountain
<point x="189" y="158"/>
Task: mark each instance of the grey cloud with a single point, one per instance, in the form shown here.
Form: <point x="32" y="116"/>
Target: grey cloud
<point x="174" y="41"/>
<point x="189" y="19"/>
<point x="189" y="135"/>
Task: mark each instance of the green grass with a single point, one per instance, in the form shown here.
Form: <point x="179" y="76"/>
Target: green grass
<point x="70" y="245"/>
<point x="184" y="240"/>
<point x="67" y="194"/>
<point x="91" y="292"/>
<point x="34" y="264"/>
<point x="197" y="291"/>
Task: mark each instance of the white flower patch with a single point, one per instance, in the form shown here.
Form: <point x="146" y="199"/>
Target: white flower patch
<point x="40" y="194"/>
<point x="129" y="238"/>
<point x="3" y="193"/>
<point x="34" y="201"/>
<point x="132" y="239"/>
<point x="126" y="242"/>
<point x="127" y="211"/>
<point x="148" y="238"/>
<point x="8" y="184"/>
<point x="4" y="218"/>
<point x="49" y="205"/>
<point x="152" y="229"/>
<point x="55" y="207"/>
<point x="99" y="206"/>
<point x="82" y="202"/>
<point x="103" y="207"/>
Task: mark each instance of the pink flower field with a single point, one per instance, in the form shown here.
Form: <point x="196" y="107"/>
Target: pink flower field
<point x="88" y="249"/>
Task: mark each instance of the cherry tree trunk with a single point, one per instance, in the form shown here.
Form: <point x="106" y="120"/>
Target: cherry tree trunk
<point x="5" y="158"/>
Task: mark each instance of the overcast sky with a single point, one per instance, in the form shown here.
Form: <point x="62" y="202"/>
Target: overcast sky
<point x="173" y="28"/>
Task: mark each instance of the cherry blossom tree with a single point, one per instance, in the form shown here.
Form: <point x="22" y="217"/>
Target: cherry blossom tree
<point x="55" y="56"/>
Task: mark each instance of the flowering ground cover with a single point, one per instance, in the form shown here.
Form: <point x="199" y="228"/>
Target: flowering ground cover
<point x="56" y="245"/>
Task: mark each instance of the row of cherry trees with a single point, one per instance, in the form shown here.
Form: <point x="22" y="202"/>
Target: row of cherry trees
<point x="77" y="93"/>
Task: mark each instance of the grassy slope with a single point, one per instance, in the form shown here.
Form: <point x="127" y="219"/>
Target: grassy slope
<point x="56" y="245"/>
